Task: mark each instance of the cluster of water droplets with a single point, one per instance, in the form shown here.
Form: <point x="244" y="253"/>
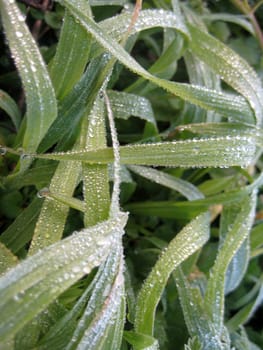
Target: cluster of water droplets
<point x="105" y="301"/>
<point x="41" y="102"/>
<point x="236" y="72"/>
<point x="215" y="151"/>
<point x="125" y="105"/>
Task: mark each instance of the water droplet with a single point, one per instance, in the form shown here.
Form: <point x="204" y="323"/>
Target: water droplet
<point x="25" y="156"/>
<point x="3" y="151"/>
<point x="21" y="18"/>
<point x="43" y="192"/>
<point x="19" y="34"/>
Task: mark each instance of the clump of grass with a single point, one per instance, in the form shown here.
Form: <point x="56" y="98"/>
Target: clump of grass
<point x="131" y="172"/>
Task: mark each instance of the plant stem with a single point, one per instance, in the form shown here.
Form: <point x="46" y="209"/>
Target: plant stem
<point x="244" y="7"/>
<point x="257" y="29"/>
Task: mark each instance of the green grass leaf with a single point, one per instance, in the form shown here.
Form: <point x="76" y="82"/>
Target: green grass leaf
<point x="8" y="259"/>
<point x="20" y="232"/>
<point x="10" y="107"/>
<point x="51" y="271"/>
<point x="230" y="66"/>
<point x="205" y="98"/>
<point x="238" y="232"/>
<point x="210" y="152"/>
<point x="184" y="187"/>
<point x="125" y="105"/>
<point x="71" y="55"/>
<point x="189" y="240"/>
<point x="95" y="177"/>
<point x="40" y="96"/>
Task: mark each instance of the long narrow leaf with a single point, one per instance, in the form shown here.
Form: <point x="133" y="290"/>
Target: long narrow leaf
<point x="95" y="176"/>
<point x="92" y="331"/>
<point x="225" y="130"/>
<point x="8" y="259"/>
<point x="214" y="299"/>
<point x="72" y="53"/>
<point x="230" y="66"/>
<point x="51" y="271"/>
<point x="76" y="104"/>
<point x="10" y="107"/>
<point x="125" y="105"/>
<point x="212" y="152"/>
<point x="204" y="98"/>
<point x="51" y="221"/>
<point x="198" y="324"/>
<point x="40" y="96"/>
<point x="20" y="232"/>
<point x="185" y="188"/>
<point x="190" y="239"/>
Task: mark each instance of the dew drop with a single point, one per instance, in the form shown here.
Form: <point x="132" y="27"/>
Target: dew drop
<point x="43" y="192"/>
<point x="21" y="18"/>
<point x="3" y="151"/>
<point x="24" y="156"/>
<point x="19" y="34"/>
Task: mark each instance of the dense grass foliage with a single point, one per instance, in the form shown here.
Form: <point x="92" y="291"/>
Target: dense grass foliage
<point x="131" y="174"/>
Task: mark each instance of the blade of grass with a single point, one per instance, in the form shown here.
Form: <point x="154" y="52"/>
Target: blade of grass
<point x="95" y="176"/>
<point x="214" y="298"/>
<point x="230" y="66"/>
<point x="51" y="271"/>
<point x="225" y="130"/>
<point x="8" y="259"/>
<point x="198" y="324"/>
<point x="20" y="232"/>
<point x="71" y="54"/>
<point x="210" y="152"/>
<point x="205" y="98"/>
<point x="51" y="221"/>
<point x="125" y="105"/>
<point x="77" y="103"/>
<point x="190" y="239"/>
<point x="11" y="108"/>
<point x="40" y="96"/>
<point x="184" y="187"/>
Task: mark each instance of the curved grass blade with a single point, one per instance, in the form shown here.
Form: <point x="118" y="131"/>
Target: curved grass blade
<point x="95" y="176"/>
<point x="52" y="218"/>
<point x="238" y="265"/>
<point x="184" y="187"/>
<point x="225" y="130"/>
<point x="76" y="104"/>
<point x="147" y="19"/>
<point x="200" y="74"/>
<point x="214" y="298"/>
<point x="39" y="176"/>
<point x="205" y="98"/>
<point x="51" y="271"/>
<point x="11" y="108"/>
<point x="210" y="152"/>
<point x="226" y="17"/>
<point x="165" y="66"/>
<point x="141" y="341"/>
<point x="230" y="66"/>
<point x="102" y="312"/>
<point x="190" y="239"/>
<point x="20" y="232"/>
<point x="245" y="314"/>
<point x="186" y="209"/>
<point x="71" y="329"/>
<point x="125" y="105"/>
<point x="71" y="54"/>
<point x="40" y="96"/>
<point x="198" y="324"/>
